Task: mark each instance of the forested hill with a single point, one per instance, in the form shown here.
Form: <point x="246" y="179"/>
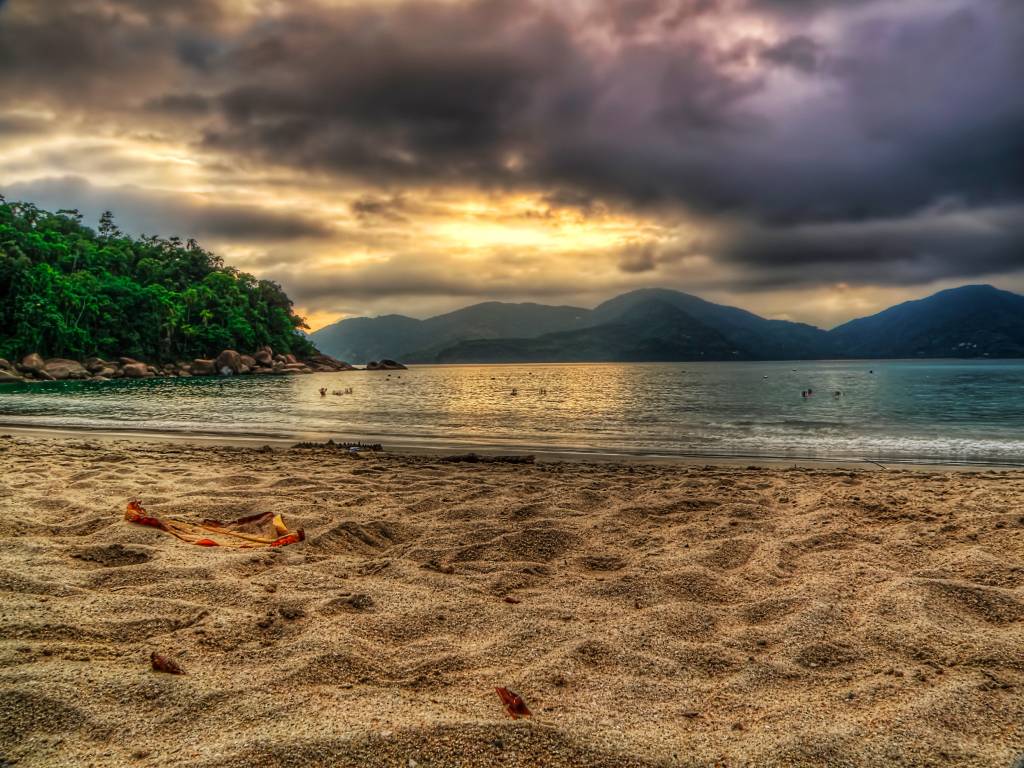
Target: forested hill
<point x="69" y="291"/>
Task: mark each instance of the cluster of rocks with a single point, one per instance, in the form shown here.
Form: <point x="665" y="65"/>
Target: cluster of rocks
<point x="228" y="363"/>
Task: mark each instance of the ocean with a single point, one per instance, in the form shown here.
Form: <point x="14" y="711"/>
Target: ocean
<point x="886" y="411"/>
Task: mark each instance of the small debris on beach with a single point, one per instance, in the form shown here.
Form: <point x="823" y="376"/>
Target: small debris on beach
<point x="514" y="705"/>
<point x="161" y="663"/>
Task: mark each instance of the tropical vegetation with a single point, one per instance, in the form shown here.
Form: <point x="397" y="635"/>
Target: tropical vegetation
<point x="67" y="290"/>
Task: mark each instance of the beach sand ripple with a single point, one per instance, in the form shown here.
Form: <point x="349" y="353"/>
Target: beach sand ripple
<point x="650" y="615"/>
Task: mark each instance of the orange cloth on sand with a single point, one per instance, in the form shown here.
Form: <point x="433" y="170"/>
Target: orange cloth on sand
<point x="263" y="530"/>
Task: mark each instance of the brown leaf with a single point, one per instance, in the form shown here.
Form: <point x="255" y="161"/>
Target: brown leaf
<point x="166" y="664"/>
<point x="514" y="705"/>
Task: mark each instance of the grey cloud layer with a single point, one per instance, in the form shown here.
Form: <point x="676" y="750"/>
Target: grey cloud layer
<point x="819" y="153"/>
<point x="164" y="214"/>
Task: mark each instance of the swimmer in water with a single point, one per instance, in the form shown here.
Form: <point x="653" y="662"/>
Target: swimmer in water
<point x="323" y="391"/>
<point x="514" y="391"/>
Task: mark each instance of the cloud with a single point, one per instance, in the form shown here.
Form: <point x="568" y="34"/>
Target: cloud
<point x="947" y="242"/>
<point x="813" y="140"/>
<point x="139" y="211"/>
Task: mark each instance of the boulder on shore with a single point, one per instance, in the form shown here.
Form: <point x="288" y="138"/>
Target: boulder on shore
<point x="94" y="364"/>
<point x="248" y="361"/>
<point x="265" y="357"/>
<point x="33" y="363"/>
<point x="5" y="366"/>
<point x="384" y="365"/>
<point x="135" y="371"/>
<point x="228" y="362"/>
<point x="331" y="363"/>
<point x="9" y="376"/>
<point x="61" y="368"/>
<point x="201" y="367"/>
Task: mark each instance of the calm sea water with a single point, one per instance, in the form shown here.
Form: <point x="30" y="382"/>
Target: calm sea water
<point x="889" y="410"/>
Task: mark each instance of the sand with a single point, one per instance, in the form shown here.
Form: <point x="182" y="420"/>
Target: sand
<point x="665" y="615"/>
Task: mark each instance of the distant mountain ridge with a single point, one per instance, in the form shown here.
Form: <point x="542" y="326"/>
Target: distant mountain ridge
<point x="659" y="324"/>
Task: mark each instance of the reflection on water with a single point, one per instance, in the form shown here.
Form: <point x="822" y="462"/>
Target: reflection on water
<point x="887" y="410"/>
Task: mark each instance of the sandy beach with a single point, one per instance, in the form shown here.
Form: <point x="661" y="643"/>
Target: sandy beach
<point x="677" y="615"/>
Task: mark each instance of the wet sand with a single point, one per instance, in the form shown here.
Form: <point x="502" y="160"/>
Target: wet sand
<point x="673" y="614"/>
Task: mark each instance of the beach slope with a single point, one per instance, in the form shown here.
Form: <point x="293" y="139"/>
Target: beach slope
<point x="671" y="615"/>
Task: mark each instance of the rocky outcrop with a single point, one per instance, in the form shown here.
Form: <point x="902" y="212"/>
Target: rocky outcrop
<point x="263" y="362"/>
<point x="228" y="363"/>
<point x="201" y="367"/>
<point x="326" y="363"/>
<point x="136" y="371"/>
<point x="32" y="363"/>
<point x="61" y="368"/>
<point x="384" y="365"/>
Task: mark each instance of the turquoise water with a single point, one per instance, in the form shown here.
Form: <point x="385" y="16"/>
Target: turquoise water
<point x="905" y="410"/>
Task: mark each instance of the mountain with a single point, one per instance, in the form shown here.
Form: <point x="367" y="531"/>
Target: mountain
<point x="756" y="337"/>
<point x="969" y="321"/>
<point x="660" y="324"/>
<point x="361" y="339"/>
<point x="650" y="331"/>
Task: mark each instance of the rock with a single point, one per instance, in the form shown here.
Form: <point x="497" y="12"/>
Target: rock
<point x="5" y="366"/>
<point x="94" y="364"/>
<point x="330" y="363"/>
<point x="290" y="359"/>
<point x="183" y="374"/>
<point x="33" y="363"/>
<point x="202" y="367"/>
<point x="127" y="360"/>
<point x="99" y="377"/>
<point x="61" y="368"/>
<point x="249" y="362"/>
<point x="9" y="377"/>
<point x="228" y="359"/>
<point x="243" y="369"/>
<point x="384" y="365"/>
<point x="264" y="357"/>
<point x="135" y="371"/>
<point x="108" y="372"/>
<point x="43" y="376"/>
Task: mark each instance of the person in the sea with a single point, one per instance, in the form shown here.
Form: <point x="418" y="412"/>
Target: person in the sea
<point x="514" y="391"/>
<point x="803" y="394"/>
<point x="323" y="391"/>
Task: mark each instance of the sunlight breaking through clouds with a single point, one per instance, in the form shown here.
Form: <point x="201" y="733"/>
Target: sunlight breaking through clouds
<point x="809" y="160"/>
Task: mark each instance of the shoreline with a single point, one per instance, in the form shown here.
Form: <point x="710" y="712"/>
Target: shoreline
<point x="566" y="455"/>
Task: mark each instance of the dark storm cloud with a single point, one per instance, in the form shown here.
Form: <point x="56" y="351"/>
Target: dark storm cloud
<point x="944" y="243"/>
<point x="809" y="138"/>
<point x="138" y="211"/>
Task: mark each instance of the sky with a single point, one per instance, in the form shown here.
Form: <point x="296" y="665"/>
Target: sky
<point x="812" y="160"/>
